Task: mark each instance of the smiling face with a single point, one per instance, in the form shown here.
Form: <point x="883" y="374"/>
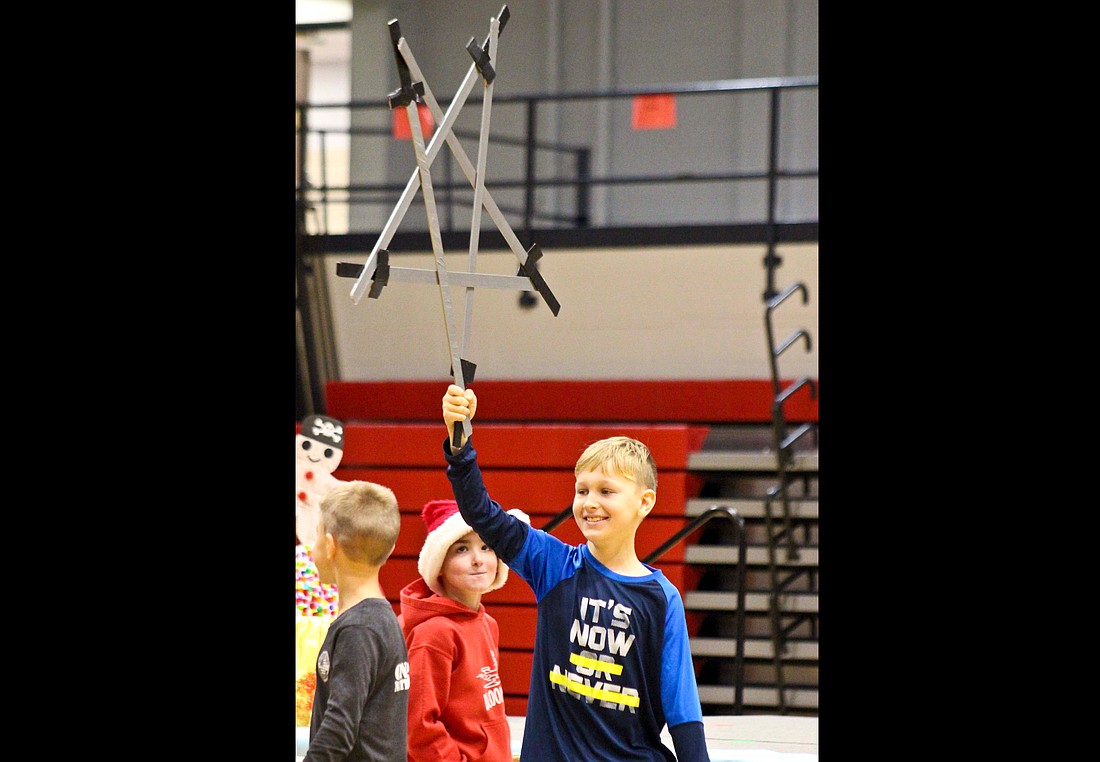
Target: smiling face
<point x="469" y="569"/>
<point x="608" y="507"/>
<point x="316" y="455"/>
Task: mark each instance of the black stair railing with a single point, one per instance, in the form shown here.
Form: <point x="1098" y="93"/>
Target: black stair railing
<point x="550" y="525"/>
<point x="779" y="584"/>
<point x="721" y="512"/>
<point x="785" y="456"/>
<point x="784" y="443"/>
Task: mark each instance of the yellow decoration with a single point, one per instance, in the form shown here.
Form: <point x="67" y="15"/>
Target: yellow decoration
<point x="309" y="634"/>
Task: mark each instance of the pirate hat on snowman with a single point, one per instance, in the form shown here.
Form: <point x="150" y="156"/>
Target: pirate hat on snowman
<point x="323" y="429"/>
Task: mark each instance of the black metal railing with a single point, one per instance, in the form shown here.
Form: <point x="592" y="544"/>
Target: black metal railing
<point x="784" y="443"/>
<point x="321" y="197"/>
<point x="320" y="194"/>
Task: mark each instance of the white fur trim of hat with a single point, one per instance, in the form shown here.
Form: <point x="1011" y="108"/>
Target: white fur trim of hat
<point x="445" y="525"/>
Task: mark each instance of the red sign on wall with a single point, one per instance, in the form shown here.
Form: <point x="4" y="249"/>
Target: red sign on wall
<point x="401" y="129"/>
<point x="654" y="112"/>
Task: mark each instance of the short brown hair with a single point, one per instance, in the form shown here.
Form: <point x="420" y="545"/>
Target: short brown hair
<point x="625" y="456"/>
<point x="364" y="519"/>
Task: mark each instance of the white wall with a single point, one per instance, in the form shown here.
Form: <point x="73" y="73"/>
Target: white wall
<point x="660" y="312"/>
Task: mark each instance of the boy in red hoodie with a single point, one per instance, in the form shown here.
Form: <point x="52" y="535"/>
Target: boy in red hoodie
<point x="456" y="705"/>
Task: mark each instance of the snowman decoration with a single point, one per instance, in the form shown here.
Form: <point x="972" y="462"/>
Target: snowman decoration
<point x="318" y="450"/>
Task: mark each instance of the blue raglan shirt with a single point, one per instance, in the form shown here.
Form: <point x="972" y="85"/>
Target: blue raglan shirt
<point x="611" y="663"/>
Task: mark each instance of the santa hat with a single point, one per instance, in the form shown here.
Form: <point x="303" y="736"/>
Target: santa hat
<point x="445" y="525"/>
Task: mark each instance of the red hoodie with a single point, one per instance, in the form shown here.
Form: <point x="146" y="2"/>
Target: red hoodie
<point x="456" y="703"/>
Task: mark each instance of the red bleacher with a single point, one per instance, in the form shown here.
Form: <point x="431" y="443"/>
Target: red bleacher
<point x="557" y="401"/>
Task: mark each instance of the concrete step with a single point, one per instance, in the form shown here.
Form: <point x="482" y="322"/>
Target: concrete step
<point x="760" y="696"/>
<point x="761" y="672"/>
<point x="755" y="648"/>
<point x="741" y="460"/>
<point x="756" y="484"/>
<point x="753" y="508"/>
<point x="721" y="533"/>
<point x="754" y="555"/>
<point x="758" y="625"/>
<point x="754" y="436"/>
<point x="791" y="603"/>
<point x="758" y="579"/>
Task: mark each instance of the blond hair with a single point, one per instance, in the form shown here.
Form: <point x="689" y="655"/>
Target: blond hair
<point x="364" y="519"/>
<point x="624" y="456"/>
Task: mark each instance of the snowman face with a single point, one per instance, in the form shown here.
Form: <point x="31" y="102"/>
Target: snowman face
<point x="315" y="454"/>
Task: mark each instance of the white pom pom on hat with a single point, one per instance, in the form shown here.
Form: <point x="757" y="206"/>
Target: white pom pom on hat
<point x="445" y="525"/>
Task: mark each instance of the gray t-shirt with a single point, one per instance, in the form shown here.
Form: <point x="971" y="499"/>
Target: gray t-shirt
<point x="360" y="705"/>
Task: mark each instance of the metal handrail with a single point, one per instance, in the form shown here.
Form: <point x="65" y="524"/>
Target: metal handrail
<point x="783" y="443"/>
<point x="550" y="525"/>
<point x="583" y="180"/>
<point x="715" y="512"/>
<point x="684" y="88"/>
<point x="773" y="353"/>
<point x="784" y="446"/>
